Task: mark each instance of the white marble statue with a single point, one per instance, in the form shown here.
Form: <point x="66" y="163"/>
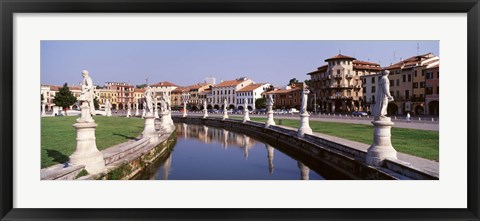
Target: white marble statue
<point x="270" y="102"/>
<point x="108" y="108"/>
<point x="225" y="104"/>
<point x="382" y="96"/>
<point x="163" y="103"/>
<point x="148" y="105"/>
<point x="45" y="96"/>
<point x="305" y="92"/>
<point x="87" y="91"/>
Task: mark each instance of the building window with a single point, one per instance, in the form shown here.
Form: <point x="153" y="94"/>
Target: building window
<point x="398" y="82"/>
<point x="407" y="94"/>
<point x="422" y="84"/>
<point x="373" y="89"/>
<point x="392" y="82"/>
<point x="409" y="78"/>
<point x="338" y="72"/>
<point x="415" y="73"/>
<point x="373" y="80"/>
<point x="415" y="85"/>
<point x="404" y="78"/>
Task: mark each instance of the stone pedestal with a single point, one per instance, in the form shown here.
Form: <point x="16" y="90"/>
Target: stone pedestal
<point x="149" y="128"/>
<point x="155" y="113"/>
<point x="225" y="115"/>
<point x="246" y="117"/>
<point x="205" y="113"/>
<point x="43" y="110"/>
<point x="109" y="113"/>
<point x="137" y="112"/>
<point x="270" y="120"/>
<point x="304" y="125"/>
<point x="166" y="122"/>
<point x="86" y="152"/>
<point x="381" y="148"/>
<point x="129" y="114"/>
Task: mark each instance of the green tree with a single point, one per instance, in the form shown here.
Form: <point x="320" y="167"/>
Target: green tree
<point x="95" y="103"/>
<point x="64" y="98"/>
<point x="309" y="83"/>
<point x="261" y="103"/>
<point x="141" y="86"/>
<point x="293" y="80"/>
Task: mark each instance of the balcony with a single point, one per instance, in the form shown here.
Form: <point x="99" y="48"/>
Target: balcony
<point x="348" y="76"/>
<point x="338" y="76"/>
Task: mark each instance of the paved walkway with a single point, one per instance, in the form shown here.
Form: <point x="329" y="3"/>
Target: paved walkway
<point x="417" y="162"/>
<point x="400" y="123"/>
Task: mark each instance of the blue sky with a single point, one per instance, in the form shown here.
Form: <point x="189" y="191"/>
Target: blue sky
<point x="190" y="62"/>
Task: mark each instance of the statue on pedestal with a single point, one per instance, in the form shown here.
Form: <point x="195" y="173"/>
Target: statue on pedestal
<point x="381" y="148"/>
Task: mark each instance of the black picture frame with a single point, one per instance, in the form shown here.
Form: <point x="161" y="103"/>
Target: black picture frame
<point x="9" y="7"/>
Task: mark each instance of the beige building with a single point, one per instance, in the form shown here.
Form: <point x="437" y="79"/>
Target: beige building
<point x="337" y="86"/>
<point x="227" y="90"/>
<point x="407" y="84"/>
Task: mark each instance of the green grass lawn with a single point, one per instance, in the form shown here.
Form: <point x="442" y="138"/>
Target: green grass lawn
<point x="58" y="135"/>
<point x="419" y="143"/>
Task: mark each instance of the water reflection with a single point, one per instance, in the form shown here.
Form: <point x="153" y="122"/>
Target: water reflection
<point x="208" y="153"/>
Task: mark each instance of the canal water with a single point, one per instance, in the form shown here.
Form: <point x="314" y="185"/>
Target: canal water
<point x="208" y="153"/>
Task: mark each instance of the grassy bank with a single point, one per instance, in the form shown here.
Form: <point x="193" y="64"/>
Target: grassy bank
<point x="419" y="143"/>
<point x="58" y="135"/>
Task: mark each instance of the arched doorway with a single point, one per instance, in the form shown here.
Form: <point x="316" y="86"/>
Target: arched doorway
<point x="120" y="106"/>
<point x="216" y="107"/>
<point x="338" y="106"/>
<point x="419" y="110"/>
<point x="208" y="106"/>
<point x="392" y="109"/>
<point x="231" y="106"/>
<point x="194" y="108"/>
<point x="433" y="108"/>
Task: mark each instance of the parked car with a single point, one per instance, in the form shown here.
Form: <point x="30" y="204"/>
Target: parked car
<point x="213" y="111"/>
<point x="293" y="111"/>
<point x="260" y="111"/>
<point x="359" y="113"/>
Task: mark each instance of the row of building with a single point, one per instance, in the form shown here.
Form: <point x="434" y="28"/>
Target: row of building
<point x="346" y="84"/>
<point x="343" y="84"/>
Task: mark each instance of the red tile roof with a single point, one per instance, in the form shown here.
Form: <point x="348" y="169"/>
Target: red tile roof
<point x="340" y="56"/>
<point x="230" y="83"/>
<point x="365" y="67"/>
<point x="250" y="87"/>
<point x="164" y="84"/>
<point x="320" y="69"/>
<point x="283" y="91"/>
<point x="364" y="63"/>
